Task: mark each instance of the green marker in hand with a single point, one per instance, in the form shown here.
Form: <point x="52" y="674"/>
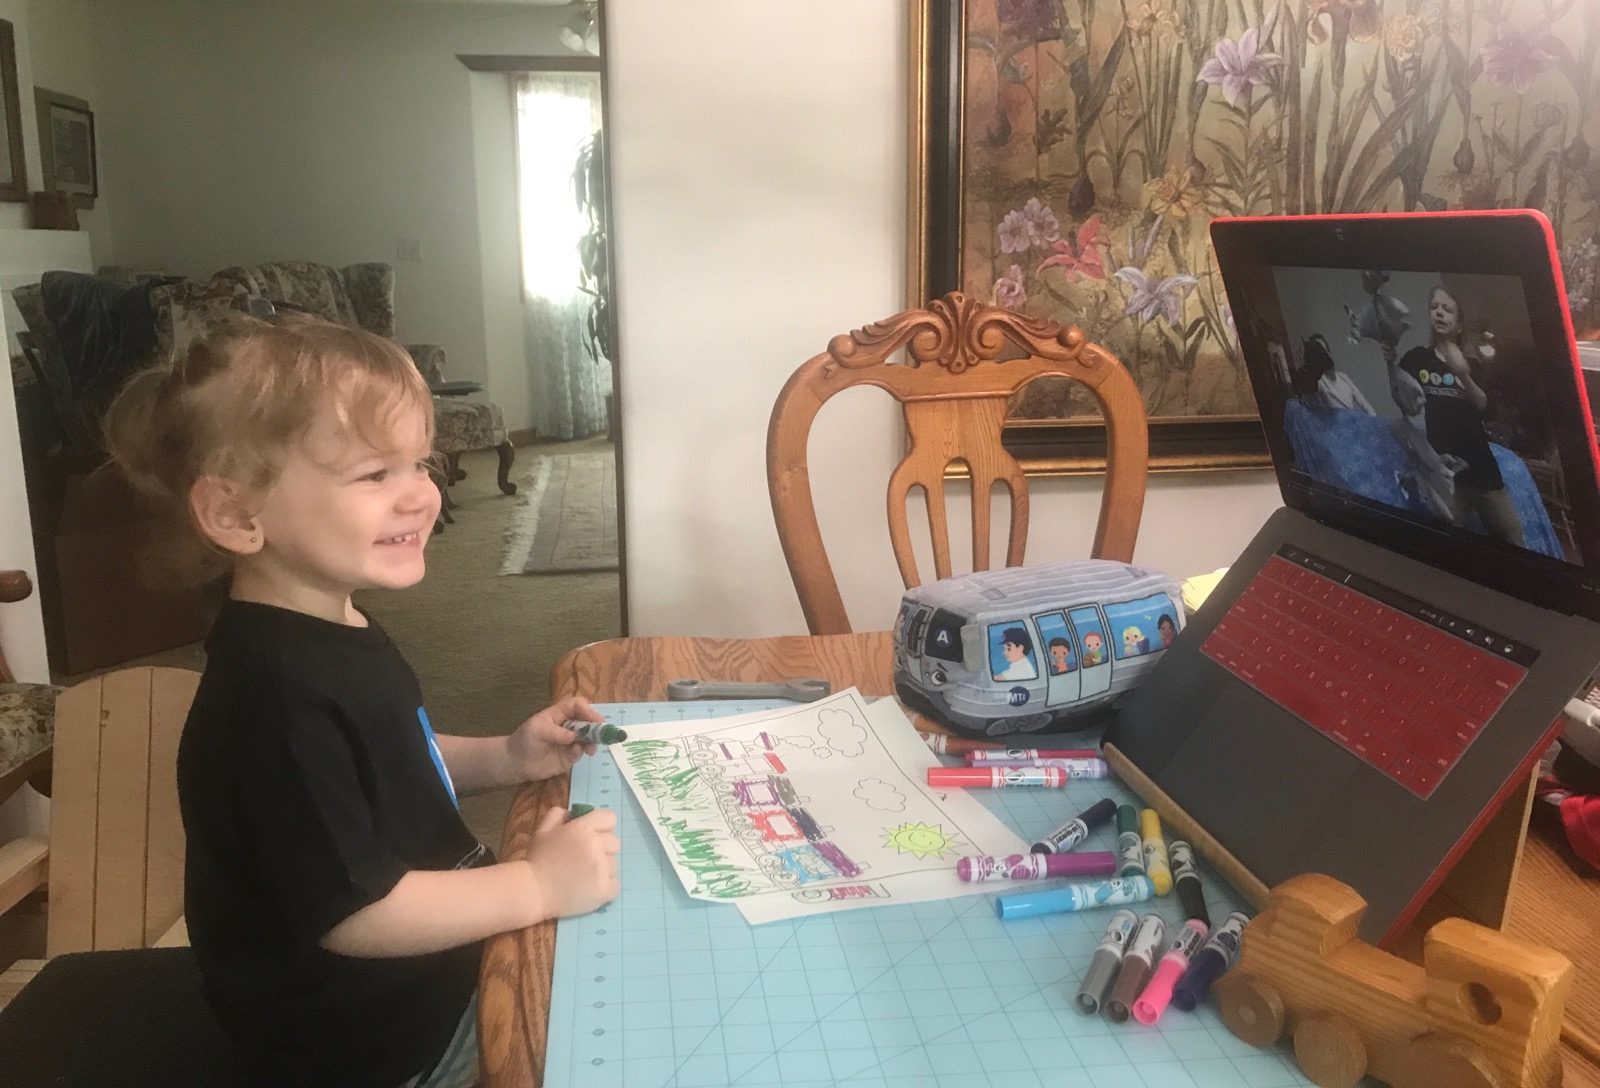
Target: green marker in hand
<point x="579" y="809"/>
<point x="597" y="732"/>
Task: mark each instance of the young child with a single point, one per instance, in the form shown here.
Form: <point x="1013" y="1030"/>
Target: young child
<point x="335" y="899"/>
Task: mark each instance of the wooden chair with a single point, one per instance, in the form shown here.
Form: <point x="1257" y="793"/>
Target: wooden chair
<point x="954" y="390"/>
<point x="27" y="717"/>
<point x="116" y="837"/>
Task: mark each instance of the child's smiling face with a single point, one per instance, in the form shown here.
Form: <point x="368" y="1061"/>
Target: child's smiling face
<point x="344" y="515"/>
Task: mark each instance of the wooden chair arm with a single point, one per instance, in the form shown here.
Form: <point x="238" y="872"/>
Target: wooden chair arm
<point x="15" y="585"/>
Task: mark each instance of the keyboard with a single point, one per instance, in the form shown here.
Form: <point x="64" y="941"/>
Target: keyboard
<point x="1399" y="684"/>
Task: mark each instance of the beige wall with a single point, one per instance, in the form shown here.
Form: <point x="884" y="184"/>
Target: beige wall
<point x="243" y="132"/>
<point x="60" y="43"/>
<point x="759" y="162"/>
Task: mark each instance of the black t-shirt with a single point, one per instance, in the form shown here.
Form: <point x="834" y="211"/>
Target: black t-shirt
<point x="1455" y="426"/>
<point x="310" y="785"/>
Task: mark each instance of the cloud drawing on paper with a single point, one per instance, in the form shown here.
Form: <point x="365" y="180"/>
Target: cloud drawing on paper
<point x="877" y="794"/>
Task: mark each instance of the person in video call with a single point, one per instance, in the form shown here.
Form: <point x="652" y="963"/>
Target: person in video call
<point x="1454" y="406"/>
<point x="1322" y="385"/>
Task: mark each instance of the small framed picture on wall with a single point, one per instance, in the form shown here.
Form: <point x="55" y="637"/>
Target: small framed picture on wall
<point x="66" y="144"/>
<point x="13" y="168"/>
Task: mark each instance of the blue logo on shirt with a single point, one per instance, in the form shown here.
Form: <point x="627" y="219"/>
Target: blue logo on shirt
<point x="438" y="758"/>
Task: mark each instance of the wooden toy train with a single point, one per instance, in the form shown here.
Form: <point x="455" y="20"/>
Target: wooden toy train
<point x="1483" y="1010"/>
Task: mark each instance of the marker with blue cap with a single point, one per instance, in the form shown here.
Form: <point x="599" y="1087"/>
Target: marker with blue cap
<point x="1074" y="897"/>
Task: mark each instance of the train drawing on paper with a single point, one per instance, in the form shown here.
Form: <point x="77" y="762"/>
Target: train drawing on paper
<point x="1482" y="1011"/>
<point x="1032" y="649"/>
<point x="767" y="814"/>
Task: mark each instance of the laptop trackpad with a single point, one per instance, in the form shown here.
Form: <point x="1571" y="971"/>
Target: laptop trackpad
<point x="1243" y="740"/>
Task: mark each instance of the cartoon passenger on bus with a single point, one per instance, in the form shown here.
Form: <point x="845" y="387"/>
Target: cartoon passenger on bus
<point x="1060" y="656"/>
<point x="1094" y="651"/>
<point x="1016" y="656"/>
<point x="1167" y="629"/>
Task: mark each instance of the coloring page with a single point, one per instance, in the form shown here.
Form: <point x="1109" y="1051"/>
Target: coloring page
<point x="806" y="809"/>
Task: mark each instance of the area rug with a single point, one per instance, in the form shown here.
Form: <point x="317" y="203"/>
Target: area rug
<point x="566" y="519"/>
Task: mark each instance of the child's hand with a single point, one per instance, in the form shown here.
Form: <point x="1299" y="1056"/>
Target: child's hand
<point x="574" y="862"/>
<point x="543" y="746"/>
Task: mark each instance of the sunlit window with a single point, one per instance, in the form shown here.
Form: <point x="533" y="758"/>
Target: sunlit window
<point x="555" y="115"/>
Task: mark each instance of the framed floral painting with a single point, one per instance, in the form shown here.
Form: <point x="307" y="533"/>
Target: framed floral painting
<point x="1069" y="155"/>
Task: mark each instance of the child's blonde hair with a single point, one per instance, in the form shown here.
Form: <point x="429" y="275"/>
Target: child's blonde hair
<point x="237" y="400"/>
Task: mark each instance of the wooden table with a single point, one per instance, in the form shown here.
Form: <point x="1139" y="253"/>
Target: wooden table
<point x="1555" y="903"/>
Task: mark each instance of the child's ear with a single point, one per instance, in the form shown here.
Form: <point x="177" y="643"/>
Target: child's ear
<point x="225" y="515"/>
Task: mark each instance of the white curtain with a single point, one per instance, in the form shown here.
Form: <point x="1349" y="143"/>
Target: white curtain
<point x="556" y="113"/>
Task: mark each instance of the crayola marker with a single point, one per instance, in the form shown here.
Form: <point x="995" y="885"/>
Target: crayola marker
<point x="1135" y="969"/>
<point x="1155" y="851"/>
<point x="1130" y="848"/>
<point x="1209" y="963"/>
<point x="1077" y="829"/>
<point x="597" y="732"/>
<point x="1186" y="876"/>
<point x="1158" y="991"/>
<point x="1073" y="897"/>
<point x="946" y="745"/>
<point x="1027" y="755"/>
<point x="1107" y="958"/>
<point x="1075" y="768"/>
<point x="1050" y="777"/>
<point x="979" y="870"/>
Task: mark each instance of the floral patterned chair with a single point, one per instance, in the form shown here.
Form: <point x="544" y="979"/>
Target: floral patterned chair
<point x="363" y="295"/>
<point x="27" y="733"/>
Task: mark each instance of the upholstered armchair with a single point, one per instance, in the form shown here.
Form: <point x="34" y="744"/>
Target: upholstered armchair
<point x="27" y="733"/>
<point x="363" y="295"/>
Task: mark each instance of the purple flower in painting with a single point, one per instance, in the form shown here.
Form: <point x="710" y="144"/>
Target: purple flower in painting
<point x="1030" y="20"/>
<point x="1237" y="66"/>
<point x="1152" y="296"/>
<point x="1516" y="57"/>
<point x="1008" y="289"/>
<point x="1028" y="227"/>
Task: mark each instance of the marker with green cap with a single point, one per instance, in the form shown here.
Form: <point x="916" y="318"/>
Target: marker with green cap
<point x="1130" y="847"/>
<point x="597" y="732"/>
<point x="579" y="809"/>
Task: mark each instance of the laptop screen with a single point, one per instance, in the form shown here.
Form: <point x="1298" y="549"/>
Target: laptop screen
<point x="1416" y="379"/>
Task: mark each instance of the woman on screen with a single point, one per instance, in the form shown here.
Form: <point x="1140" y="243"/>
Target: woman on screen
<point x="1454" y="404"/>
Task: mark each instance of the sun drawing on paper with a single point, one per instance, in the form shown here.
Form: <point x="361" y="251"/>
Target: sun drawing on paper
<point x="919" y="840"/>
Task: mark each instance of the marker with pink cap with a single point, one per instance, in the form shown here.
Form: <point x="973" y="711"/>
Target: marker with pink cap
<point x="1158" y="991"/>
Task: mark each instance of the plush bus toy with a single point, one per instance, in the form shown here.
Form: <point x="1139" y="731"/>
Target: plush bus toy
<point x="1032" y="649"/>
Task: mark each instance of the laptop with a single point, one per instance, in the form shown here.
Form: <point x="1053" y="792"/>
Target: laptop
<point x="1391" y="654"/>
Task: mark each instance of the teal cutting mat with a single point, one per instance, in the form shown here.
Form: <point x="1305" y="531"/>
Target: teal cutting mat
<point x="658" y="990"/>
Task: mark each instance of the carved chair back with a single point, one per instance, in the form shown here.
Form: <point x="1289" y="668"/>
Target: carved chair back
<point x="965" y="361"/>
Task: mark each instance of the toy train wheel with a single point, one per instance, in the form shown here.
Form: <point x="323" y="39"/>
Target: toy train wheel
<point x="1330" y="1051"/>
<point x="1437" y="1060"/>
<point x="1250" y="1007"/>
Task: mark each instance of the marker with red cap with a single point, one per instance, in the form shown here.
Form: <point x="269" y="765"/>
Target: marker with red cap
<point x="1051" y="777"/>
<point x="1075" y="768"/>
<point x="1024" y="756"/>
<point x="1158" y="991"/>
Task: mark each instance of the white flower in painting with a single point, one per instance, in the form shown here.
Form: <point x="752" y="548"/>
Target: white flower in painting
<point x="1238" y="66"/>
<point x="1152" y="296"/>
